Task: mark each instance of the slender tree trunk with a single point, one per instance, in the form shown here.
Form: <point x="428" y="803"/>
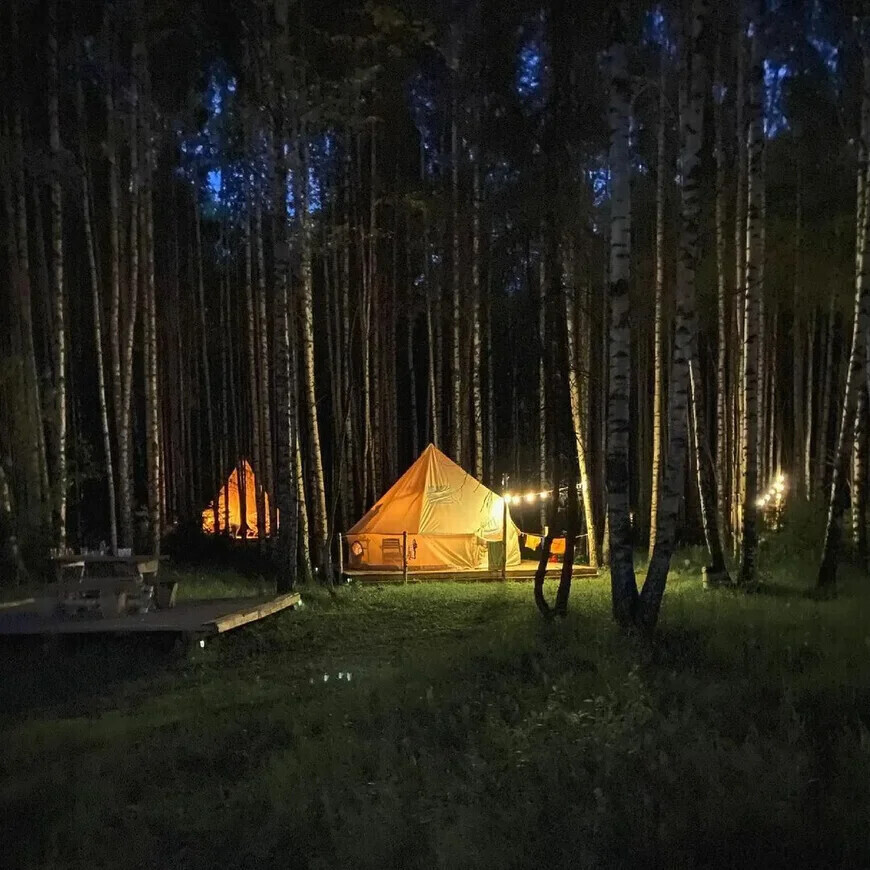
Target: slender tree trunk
<point x="152" y="401"/>
<point x="578" y="413"/>
<point x="129" y="326"/>
<point x="754" y="289"/>
<point x="7" y="522"/>
<point x="253" y="382"/>
<point x="87" y="212"/>
<point x="286" y="424"/>
<point x="809" y="396"/>
<point x="412" y="383"/>
<point x="214" y="477"/>
<point x="542" y="379"/>
<point x="264" y="402"/>
<point x="659" y="325"/>
<point x="115" y="284"/>
<point x="721" y="298"/>
<point x="680" y="398"/>
<point x="321" y="525"/>
<point x="58" y="298"/>
<point x="560" y="607"/>
<point x="797" y="337"/>
<point x="456" y="309"/>
<point x="855" y="373"/>
<point x="304" y="534"/>
<point x="715" y="572"/>
<point x="477" y="401"/>
<point x="623" y="585"/>
<point x="740" y="223"/>
<point x="490" y="387"/>
<point x="823" y="424"/>
<point x="37" y="467"/>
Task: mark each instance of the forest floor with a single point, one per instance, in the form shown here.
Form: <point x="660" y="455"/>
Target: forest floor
<point x="446" y="725"/>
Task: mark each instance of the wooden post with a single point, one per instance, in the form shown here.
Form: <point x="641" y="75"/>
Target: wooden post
<point x="340" y="558"/>
<point x="404" y="557"/>
<point x="504" y="516"/>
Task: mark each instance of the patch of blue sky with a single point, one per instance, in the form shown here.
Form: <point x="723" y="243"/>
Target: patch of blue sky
<point x="214" y="181"/>
<point x="599" y="182"/>
<point x="656" y="31"/>
<point x="776" y="121"/>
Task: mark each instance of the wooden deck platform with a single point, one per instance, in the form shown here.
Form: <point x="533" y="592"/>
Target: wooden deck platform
<point x="523" y="572"/>
<point x="198" y="618"/>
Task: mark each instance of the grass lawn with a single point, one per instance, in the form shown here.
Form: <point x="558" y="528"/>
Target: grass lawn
<point x="446" y="725"/>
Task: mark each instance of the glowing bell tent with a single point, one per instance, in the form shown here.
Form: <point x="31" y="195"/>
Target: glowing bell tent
<point x="438" y="518"/>
<point x="229" y="505"/>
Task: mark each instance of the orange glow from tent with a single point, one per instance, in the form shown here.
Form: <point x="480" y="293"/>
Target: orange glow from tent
<point x="229" y="496"/>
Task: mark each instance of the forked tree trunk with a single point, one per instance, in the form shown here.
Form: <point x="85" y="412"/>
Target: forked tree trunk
<point x="855" y="373"/>
<point x="623" y="584"/>
<point x="58" y="299"/>
<point x="754" y="290"/>
<point x="680" y="398"/>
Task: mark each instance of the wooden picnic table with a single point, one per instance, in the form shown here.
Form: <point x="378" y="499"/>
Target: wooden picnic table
<point x="122" y="578"/>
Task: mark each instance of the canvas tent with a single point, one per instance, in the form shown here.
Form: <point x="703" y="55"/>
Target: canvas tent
<point x="229" y="498"/>
<point x="450" y="520"/>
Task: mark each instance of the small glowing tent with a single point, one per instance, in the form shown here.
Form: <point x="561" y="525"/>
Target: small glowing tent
<point x="229" y="505"/>
<point x="449" y="517"/>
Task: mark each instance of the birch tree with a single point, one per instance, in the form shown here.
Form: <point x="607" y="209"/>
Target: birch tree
<point x="686" y="325"/>
<point x="855" y="372"/>
<point x="623" y="584"/>
<point x="754" y="287"/>
<point x="57" y="275"/>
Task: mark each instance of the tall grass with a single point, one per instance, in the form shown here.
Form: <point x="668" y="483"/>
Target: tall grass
<point x="445" y="725"/>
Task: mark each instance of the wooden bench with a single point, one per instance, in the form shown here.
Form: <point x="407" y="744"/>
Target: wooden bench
<point x="102" y="596"/>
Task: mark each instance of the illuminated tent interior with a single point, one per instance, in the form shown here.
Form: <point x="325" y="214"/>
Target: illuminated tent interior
<point x="229" y="505"/>
<point x="452" y="521"/>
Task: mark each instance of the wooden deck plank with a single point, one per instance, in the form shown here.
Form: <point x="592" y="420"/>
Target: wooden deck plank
<point x="192" y="617"/>
<point x="519" y="573"/>
<point x="242" y="617"/>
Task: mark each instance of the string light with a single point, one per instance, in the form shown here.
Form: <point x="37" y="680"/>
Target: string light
<point x="773" y="500"/>
<point x="529" y="497"/>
